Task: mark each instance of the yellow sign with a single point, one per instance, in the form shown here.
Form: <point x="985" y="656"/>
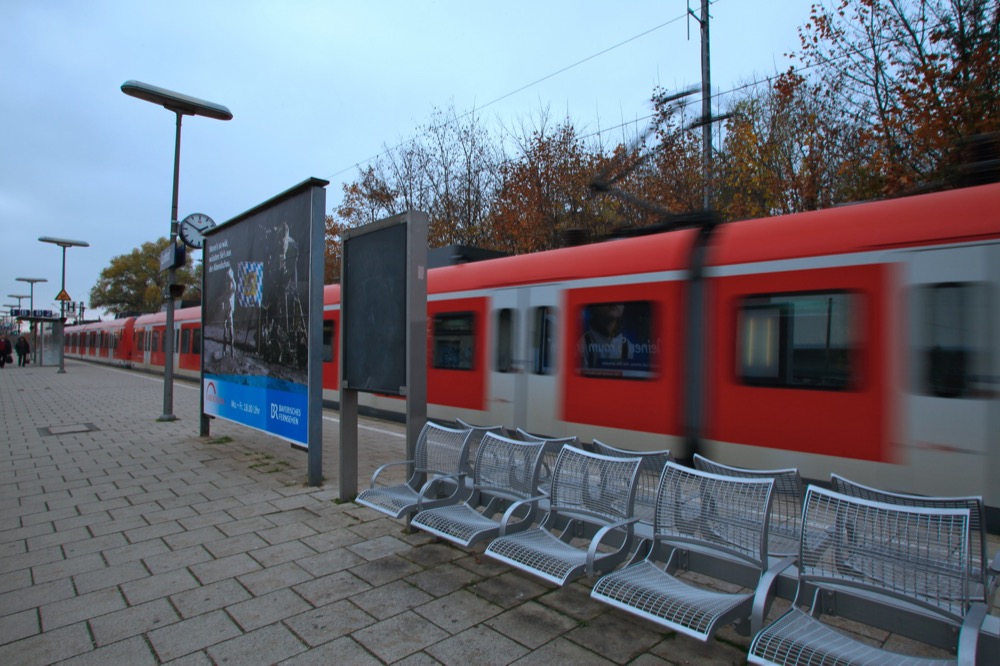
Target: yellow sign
<point x="63" y="296"/>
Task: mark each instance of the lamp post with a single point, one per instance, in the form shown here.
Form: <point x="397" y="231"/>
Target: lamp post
<point x="63" y="296"/>
<point x="31" y="305"/>
<point x="181" y="105"/>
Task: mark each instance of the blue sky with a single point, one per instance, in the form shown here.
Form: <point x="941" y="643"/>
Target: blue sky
<point x="315" y="88"/>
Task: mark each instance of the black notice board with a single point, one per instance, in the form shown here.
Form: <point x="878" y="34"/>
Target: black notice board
<point x="373" y="310"/>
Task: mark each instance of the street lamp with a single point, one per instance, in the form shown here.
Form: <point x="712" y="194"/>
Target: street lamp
<point x="181" y="105"/>
<point x="63" y="296"/>
<point x="31" y="304"/>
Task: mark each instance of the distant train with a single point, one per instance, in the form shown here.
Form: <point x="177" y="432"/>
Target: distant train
<point x="862" y="340"/>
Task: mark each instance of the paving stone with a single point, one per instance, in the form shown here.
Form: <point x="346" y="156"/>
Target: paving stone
<point x="177" y="559"/>
<point x="444" y="579"/>
<point x="133" y="621"/>
<point x="281" y="553"/>
<point x="16" y="626"/>
<point x="684" y="650"/>
<point x="157" y="531"/>
<point x="15" y="580"/>
<point x="287" y="532"/>
<point x="48" y="648"/>
<point x="392" y="599"/>
<point x="274" y="578"/>
<point x="234" y="545"/>
<point x="193" y="536"/>
<point x="331" y="588"/>
<point x="399" y="636"/>
<point x="109" y="576"/>
<point x="267" y="609"/>
<point x="197" y="633"/>
<point x="329" y="622"/>
<point x="561" y="651"/>
<point x="458" y="611"/>
<point x="330" y="562"/>
<point x="246" y="525"/>
<point x="226" y="567"/>
<point x="36" y="595"/>
<point x="477" y="645"/>
<point x="509" y="589"/>
<point x="205" y="519"/>
<point x="573" y="600"/>
<point x="160" y="585"/>
<point x="340" y="651"/>
<point x="268" y="645"/>
<point x="209" y="597"/>
<point x="332" y="540"/>
<point x="532" y="624"/>
<point x="134" y="652"/>
<point x="81" y="608"/>
<point x="66" y="568"/>
<point x="616" y="636"/>
<point x="385" y="570"/>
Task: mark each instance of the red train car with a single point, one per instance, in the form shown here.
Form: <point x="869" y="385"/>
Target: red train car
<point x="861" y="340"/>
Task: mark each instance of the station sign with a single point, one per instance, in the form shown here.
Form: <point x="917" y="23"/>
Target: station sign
<point x="25" y="313"/>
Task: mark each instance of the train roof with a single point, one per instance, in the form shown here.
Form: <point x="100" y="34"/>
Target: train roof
<point x="954" y="216"/>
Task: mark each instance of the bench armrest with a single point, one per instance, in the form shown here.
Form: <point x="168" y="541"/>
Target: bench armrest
<point x="599" y="537"/>
<point x="381" y="468"/>
<point x="509" y="513"/>
<point x="458" y="477"/>
<point x="764" y="594"/>
<point x="968" y="636"/>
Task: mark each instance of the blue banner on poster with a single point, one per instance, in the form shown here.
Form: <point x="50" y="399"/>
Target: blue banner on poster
<point x="262" y="403"/>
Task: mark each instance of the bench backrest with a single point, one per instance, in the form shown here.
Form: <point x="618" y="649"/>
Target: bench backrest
<point x="729" y="512"/>
<point x="650" y="470"/>
<point x="507" y="465"/>
<point x="589" y="484"/>
<point x="478" y="432"/>
<point x="786" y="499"/>
<point x="978" y="560"/>
<point x="441" y="449"/>
<point x="553" y="445"/>
<point x="916" y="554"/>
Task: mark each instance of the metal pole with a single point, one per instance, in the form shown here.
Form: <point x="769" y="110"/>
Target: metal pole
<point x="706" y="108"/>
<point x="62" y="316"/>
<point x="168" y="363"/>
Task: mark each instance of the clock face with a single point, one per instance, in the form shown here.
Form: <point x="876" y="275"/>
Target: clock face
<point x="193" y="228"/>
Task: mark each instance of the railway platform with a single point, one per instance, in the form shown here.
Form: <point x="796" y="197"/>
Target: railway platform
<point x="124" y="540"/>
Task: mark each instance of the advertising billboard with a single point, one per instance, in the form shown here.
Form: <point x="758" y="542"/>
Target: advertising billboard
<point x="262" y="314"/>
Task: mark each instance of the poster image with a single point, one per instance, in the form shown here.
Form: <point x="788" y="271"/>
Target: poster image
<point x="618" y="340"/>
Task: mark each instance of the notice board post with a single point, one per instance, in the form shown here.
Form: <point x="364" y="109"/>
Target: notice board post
<point x="383" y="320"/>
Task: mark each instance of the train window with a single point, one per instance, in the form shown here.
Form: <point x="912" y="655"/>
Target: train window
<point x="505" y="340"/>
<point x="543" y="341"/>
<point x="186" y="341"/>
<point x="952" y="337"/>
<point x="156" y="341"/>
<point x="196" y="340"/>
<point x="140" y="335"/>
<point x="453" y="341"/>
<point x="797" y="340"/>
<point x="329" y="335"/>
<point x="618" y="340"/>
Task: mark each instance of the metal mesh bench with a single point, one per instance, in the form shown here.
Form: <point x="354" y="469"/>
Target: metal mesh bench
<point x="588" y="528"/>
<point x="983" y="576"/>
<point x="785" y="524"/>
<point x="648" y="481"/>
<point x="502" y="502"/>
<point x="438" y="477"/>
<point x="915" y="598"/>
<point x="692" y="508"/>
<point x="553" y="445"/>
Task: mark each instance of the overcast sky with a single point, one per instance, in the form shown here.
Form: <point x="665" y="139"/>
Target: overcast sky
<point x="315" y="89"/>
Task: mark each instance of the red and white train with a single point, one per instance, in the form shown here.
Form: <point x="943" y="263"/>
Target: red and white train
<point x="862" y="340"/>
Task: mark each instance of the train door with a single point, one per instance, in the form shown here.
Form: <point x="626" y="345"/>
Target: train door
<point x="524" y="357"/>
<point x="954" y="403"/>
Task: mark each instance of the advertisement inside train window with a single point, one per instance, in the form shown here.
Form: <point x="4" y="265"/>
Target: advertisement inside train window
<point x="256" y="320"/>
<point x="618" y="340"/>
<point x="453" y="341"/>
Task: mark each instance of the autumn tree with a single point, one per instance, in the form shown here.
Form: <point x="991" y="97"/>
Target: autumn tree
<point x="917" y="77"/>
<point x="134" y="283"/>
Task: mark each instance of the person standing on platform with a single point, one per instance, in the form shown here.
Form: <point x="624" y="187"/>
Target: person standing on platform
<point x="23" y="349"/>
<point x="5" y="349"/>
